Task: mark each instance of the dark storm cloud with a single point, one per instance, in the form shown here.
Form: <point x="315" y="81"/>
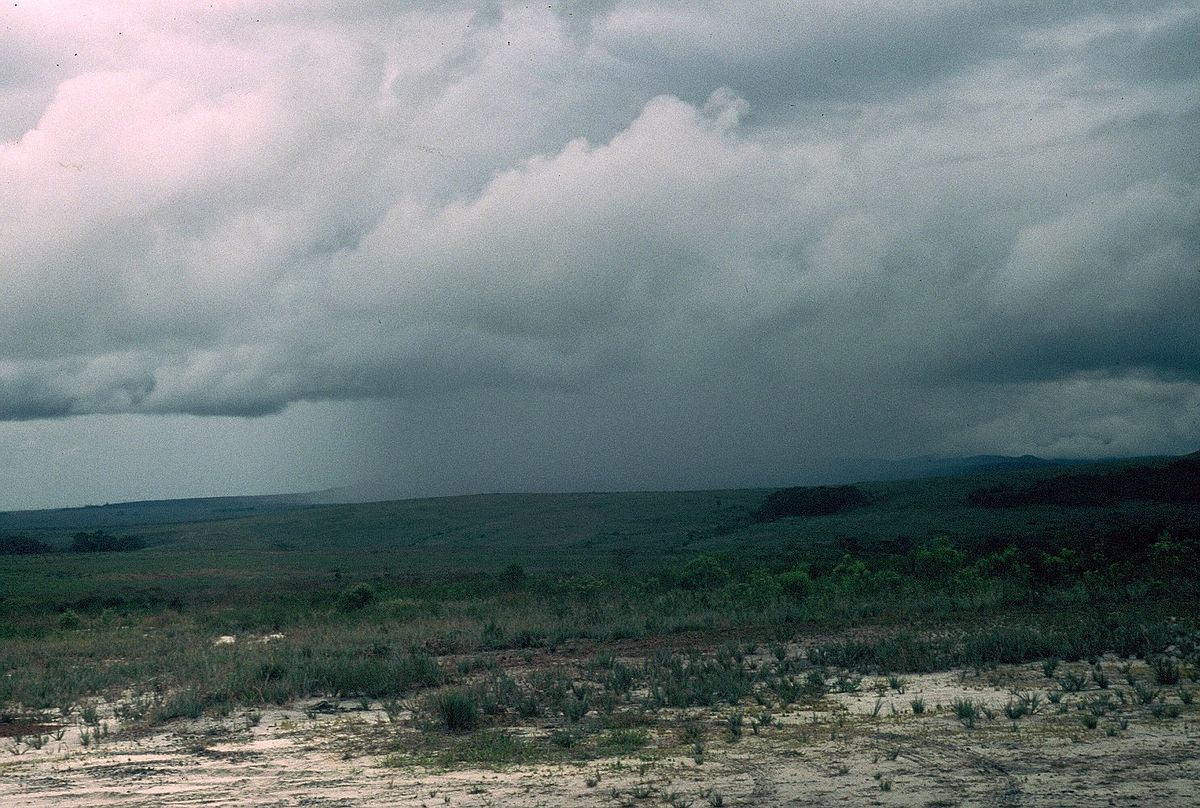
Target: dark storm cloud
<point x="891" y="223"/>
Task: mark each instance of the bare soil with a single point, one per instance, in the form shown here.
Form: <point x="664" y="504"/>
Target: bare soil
<point x="862" y="748"/>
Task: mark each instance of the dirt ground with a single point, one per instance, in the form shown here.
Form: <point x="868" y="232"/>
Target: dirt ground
<point x="863" y="748"/>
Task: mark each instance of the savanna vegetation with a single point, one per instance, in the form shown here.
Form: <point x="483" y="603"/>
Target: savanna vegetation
<point x="606" y="602"/>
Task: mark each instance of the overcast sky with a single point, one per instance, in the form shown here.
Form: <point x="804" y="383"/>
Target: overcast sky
<point x="251" y="247"/>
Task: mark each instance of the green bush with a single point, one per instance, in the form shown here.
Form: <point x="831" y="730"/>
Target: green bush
<point x="100" y="541"/>
<point x="22" y="545"/>
<point x="811" y="501"/>
<point x="796" y="584"/>
<point x="458" y="710"/>
<point x="704" y="573"/>
<point x="357" y="597"/>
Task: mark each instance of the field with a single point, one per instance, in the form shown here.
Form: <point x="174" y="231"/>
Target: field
<point x="912" y="647"/>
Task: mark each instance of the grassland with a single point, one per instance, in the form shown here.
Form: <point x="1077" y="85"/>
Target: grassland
<point x="535" y="630"/>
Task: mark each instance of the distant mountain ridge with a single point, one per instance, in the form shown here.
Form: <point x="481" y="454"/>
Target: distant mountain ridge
<point x="199" y="509"/>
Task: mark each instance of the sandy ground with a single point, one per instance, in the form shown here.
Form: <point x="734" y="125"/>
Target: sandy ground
<point x="865" y="748"/>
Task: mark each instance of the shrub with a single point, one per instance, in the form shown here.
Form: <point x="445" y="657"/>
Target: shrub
<point x="966" y="711"/>
<point x="513" y="577"/>
<point x="357" y="597"/>
<point x="1166" y="670"/>
<point x="704" y="573"/>
<point x="458" y="710"/>
<point x="938" y="561"/>
<point x="68" y="620"/>
<point x="795" y="583"/>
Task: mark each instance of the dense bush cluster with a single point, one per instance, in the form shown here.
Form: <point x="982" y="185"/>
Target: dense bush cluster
<point x="99" y="541"/>
<point x="811" y="501"/>
<point x="1178" y="481"/>
<point x="22" y="545"/>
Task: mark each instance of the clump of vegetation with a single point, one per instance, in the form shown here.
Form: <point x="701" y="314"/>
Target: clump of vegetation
<point x="457" y="709"/>
<point x="359" y="596"/>
<point x="100" y="541"/>
<point x="811" y="501"/>
<point x="22" y="545"/>
<point x="1178" y="481"/>
<point x="1166" y="670"/>
<point x="966" y="711"/>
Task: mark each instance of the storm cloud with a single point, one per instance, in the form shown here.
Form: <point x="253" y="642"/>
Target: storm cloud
<point x="919" y="228"/>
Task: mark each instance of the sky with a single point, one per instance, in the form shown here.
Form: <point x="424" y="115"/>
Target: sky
<point x="454" y="247"/>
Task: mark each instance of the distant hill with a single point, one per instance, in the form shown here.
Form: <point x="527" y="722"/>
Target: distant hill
<point x="150" y="512"/>
<point x="205" y="509"/>
<point x="915" y="468"/>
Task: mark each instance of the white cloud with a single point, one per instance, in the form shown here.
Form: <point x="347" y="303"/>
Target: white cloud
<point x="231" y="209"/>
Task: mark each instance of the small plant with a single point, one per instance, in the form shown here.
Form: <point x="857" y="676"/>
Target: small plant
<point x="393" y="708"/>
<point x="576" y="708"/>
<point x="918" y="705"/>
<point x="848" y="684"/>
<point x="1166" y="670"/>
<point x="878" y="706"/>
<point x="89" y="713"/>
<point x="966" y="711"/>
<point x="1100" y="677"/>
<point x="1072" y="682"/>
<point x="897" y="683"/>
<point x="1049" y="666"/>
<point x="1015" y="709"/>
<point x="528" y="706"/>
<point x="734" y="725"/>
<point x="1145" y="694"/>
<point x="715" y="799"/>
<point x="814" y="683"/>
<point x="253" y="718"/>
<point x="885" y="784"/>
<point x="1090" y="721"/>
<point x="1186" y="696"/>
<point x="1054" y="696"/>
<point x="458" y="710"/>
<point x="1163" y="710"/>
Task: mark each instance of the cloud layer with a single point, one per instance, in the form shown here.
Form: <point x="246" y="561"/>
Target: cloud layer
<point x="935" y="226"/>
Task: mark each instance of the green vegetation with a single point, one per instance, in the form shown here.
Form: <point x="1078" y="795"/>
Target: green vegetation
<point x="416" y="601"/>
<point x="811" y="501"/>
<point x="22" y="545"/>
<point x="99" y="541"/>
